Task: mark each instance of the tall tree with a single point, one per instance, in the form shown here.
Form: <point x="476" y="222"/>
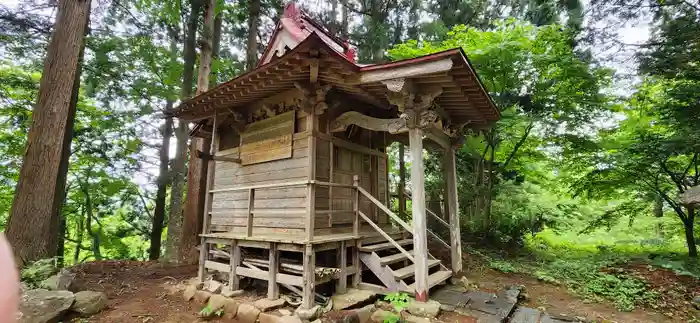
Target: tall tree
<point x="176" y="238"/>
<point x="33" y="225"/>
<point x="253" y="25"/>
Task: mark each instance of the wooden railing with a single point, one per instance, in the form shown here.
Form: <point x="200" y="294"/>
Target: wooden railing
<point x="439" y="220"/>
<point x="392" y="215"/>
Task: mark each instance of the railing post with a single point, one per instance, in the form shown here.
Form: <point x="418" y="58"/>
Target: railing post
<point x="251" y="206"/>
<point x="356" y="205"/>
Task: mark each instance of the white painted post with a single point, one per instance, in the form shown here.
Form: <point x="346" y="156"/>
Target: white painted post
<point x="452" y="209"/>
<point x="420" y="243"/>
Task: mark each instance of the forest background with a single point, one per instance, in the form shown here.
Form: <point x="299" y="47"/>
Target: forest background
<point x="597" y="142"/>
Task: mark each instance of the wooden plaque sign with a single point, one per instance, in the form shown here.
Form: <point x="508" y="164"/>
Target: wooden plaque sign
<point x="268" y="139"/>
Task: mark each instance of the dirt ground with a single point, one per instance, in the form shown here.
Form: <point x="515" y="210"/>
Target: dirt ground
<point x="138" y="293"/>
<point x="558" y="300"/>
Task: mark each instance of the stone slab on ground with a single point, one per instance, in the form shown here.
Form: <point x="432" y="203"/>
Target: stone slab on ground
<point x="415" y="319"/>
<point x="308" y="314"/>
<point x="450" y="296"/>
<point x="352" y="298"/>
<point x="231" y="308"/>
<point x="216" y="302"/>
<point x="551" y="318"/>
<point x="526" y="315"/>
<point x="231" y="293"/>
<point x="380" y="315"/>
<point x="41" y="305"/>
<point x="201" y="296"/>
<point x="247" y="313"/>
<point x="490" y="304"/>
<point x="265" y="304"/>
<point x="429" y="309"/>
<point x="189" y="291"/>
<point x="89" y="302"/>
<point x="213" y="286"/>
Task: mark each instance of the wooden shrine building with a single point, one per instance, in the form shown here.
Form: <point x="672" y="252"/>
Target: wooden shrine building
<point x="297" y="187"/>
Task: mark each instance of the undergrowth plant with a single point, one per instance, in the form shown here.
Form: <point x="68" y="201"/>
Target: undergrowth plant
<point x="398" y="300"/>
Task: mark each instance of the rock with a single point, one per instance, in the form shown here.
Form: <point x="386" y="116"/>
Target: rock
<point x="269" y="318"/>
<point x="247" y="313"/>
<point x="352" y="298"/>
<point x="308" y="314"/>
<point x="231" y="308"/>
<point x="269" y="304"/>
<point x="290" y="319"/>
<point x="428" y="309"/>
<point x="213" y="286"/>
<point x="285" y="312"/>
<point x="364" y="314"/>
<point x="415" y="319"/>
<point x="189" y="292"/>
<point x="380" y="315"/>
<point x="89" y="302"/>
<point x="696" y="302"/>
<point x="216" y="302"/>
<point x="231" y="293"/>
<point x="447" y="308"/>
<point x="60" y="281"/>
<point x="201" y="296"/>
<point x="41" y="305"/>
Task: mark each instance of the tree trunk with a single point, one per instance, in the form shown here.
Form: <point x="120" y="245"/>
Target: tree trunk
<point x="32" y="228"/>
<point x="252" y="45"/>
<point x="89" y="214"/>
<point x="174" y="249"/>
<point x="197" y="170"/>
<point x="689" y="233"/>
<point x="161" y="191"/>
<point x="344" y="32"/>
<point x="79" y="237"/>
<point x="658" y="214"/>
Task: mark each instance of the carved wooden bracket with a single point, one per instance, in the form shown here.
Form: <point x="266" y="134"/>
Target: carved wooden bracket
<point x="393" y="126"/>
<point x="314" y="97"/>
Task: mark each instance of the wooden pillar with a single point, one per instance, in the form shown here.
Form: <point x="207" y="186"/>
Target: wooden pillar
<point x="452" y="208"/>
<point x="311" y="128"/>
<point x="273" y="291"/>
<point x="402" y="182"/>
<point x="208" y="200"/>
<point x="309" y="277"/>
<point x="235" y="261"/>
<point x="420" y="243"/>
<point x="342" y="286"/>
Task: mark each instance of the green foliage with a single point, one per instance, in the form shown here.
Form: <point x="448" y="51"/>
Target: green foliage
<point x="38" y="271"/>
<point x="392" y="318"/>
<point x="502" y="266"/>
<point x="398" y="300"/>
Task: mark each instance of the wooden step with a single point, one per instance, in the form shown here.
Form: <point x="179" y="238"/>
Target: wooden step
<point x="410" y="270"/>
<point x="388" y="260"/>
<point x="385" y="245"/>
<point x="434" y="279"/>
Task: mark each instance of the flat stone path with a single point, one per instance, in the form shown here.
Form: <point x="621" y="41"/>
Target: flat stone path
<point x="492" y="308"/>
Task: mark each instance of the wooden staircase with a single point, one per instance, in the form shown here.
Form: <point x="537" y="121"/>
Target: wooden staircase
<point x="394" y="268"/>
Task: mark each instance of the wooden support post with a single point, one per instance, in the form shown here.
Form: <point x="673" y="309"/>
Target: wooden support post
<point x="402" y="182"/>
<point x="273" y="291"/>
<point x="357" y="277"/>
<point x="251" y="206"/>
<point x="311" y="127"/>
<point x="235" y="261"/>
<point x="342" y="286"/>
<point x="309" y="277"/>
<point x="356" y="205"/>
<point x="452" y="208"/>
<point x="420" y="244"/>
<point x="208" y="201"/>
